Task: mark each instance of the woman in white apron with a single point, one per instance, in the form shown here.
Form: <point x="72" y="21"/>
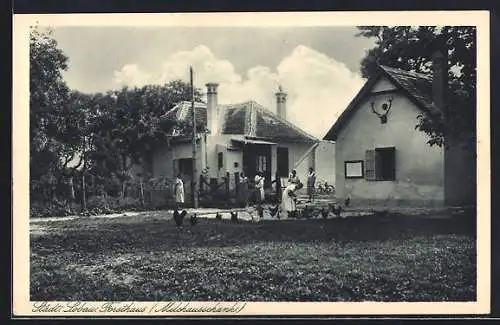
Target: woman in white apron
<point x="288" y="202"/>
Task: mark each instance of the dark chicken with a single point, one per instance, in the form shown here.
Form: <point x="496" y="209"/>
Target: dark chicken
<point x="194" y="219"/>
<point x="234" y="216"/>
<point x="337" y="210"/>
<point x="179" y="217"/>
<point x="306" y="213"/>
<point x="274" y="211"/>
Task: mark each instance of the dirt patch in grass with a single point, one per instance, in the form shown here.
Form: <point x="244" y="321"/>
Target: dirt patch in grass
<point x="394" y="258"/>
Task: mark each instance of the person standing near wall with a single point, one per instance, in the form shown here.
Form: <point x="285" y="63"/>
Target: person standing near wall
<point x="179" y="191"/>
<point x="259" y="186"/>
<point x="311" y="183"/>
<point x="259" y="192"/>
<point x="243" y="191"/>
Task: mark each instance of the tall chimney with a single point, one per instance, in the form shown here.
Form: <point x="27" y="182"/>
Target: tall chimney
<point x="212" y="108"/>
<point x="439" y="79"/>
<point x="281" y="103"/>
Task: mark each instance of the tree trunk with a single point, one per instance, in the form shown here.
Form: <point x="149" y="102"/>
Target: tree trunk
<point x="72" y="189"/>
<point x="142" y="191"/>
<point x="84" y="198"/>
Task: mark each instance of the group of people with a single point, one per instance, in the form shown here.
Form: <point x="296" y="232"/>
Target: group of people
<point x="289" y="195"/>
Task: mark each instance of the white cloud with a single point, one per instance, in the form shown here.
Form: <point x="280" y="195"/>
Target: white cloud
<point x="319" y="88"/>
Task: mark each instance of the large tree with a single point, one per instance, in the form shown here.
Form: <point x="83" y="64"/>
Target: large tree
<point x="48" y="112"/>
<point x="410" y="48"/>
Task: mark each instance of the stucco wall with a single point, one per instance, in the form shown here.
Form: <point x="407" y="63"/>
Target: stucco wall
<point x="211" y="153"/>
<point x="295" y="152"/>
<point x="325" y="161"/>
<point x="419" y="167"/>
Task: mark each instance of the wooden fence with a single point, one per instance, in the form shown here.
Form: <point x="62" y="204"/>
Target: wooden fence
<point x="214" y="191"/>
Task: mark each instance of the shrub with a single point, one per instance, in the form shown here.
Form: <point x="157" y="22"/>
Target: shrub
<point x="54" y="208"/>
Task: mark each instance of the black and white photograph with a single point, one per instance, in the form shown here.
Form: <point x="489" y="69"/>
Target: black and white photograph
<point x="219" y="165"/>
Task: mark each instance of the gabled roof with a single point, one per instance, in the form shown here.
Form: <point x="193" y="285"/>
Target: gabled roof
<point x="249" y="119"/>
<point x="416" y="86"/>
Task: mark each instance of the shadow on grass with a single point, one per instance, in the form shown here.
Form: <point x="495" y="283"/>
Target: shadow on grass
<point x="379" y="258"/>
<point x="163" y="234"/>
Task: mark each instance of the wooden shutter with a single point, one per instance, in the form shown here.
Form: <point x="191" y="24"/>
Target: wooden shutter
<point x="379" y="165"/>
<point x="393" y="163"/>
<point x="370" y="165"/>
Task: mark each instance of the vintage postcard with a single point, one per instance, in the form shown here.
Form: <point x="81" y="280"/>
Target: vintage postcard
<point x="241" y="164"/>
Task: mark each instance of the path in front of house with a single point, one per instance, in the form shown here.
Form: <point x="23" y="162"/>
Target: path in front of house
<point x="246" y="214"/>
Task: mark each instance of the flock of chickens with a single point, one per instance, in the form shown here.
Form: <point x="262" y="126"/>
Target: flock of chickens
<point x="307" y="212"/>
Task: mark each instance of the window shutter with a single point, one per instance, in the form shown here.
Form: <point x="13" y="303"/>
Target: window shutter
<point x="370" y="165"/>
<point x="393" y="163"/>
<point x="379" y="165"/>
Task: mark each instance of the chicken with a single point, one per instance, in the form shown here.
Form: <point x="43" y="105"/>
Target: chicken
<point x="324" y="213"/>
<point x="274" y="211"/>
<point x="260" y="210"/>
<point x="218" y="216"/>
<point x="347" y="201"/>
<point x="337" y="210"/>
<point x="194" y="219"/>
<point x="234" y="216"/>
<point x="306" y="213"/>
<point x="179" y="217"/>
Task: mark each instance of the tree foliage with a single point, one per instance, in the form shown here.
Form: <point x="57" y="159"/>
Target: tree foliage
<point x="99" y="134"/>
<point x="48" y="116"/>
<point x="410" y="48"/>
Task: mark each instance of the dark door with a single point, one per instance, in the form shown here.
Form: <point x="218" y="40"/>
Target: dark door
<point x="255" y="158"/>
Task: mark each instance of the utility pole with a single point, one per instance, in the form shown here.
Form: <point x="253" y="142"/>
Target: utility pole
<point x="194" y="183"/>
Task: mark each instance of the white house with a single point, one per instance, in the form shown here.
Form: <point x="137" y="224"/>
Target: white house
<point x="244" y="137"/>
<point x="381" y="159"/>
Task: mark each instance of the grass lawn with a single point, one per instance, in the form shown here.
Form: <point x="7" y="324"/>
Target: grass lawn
<point x="145" y="258"/>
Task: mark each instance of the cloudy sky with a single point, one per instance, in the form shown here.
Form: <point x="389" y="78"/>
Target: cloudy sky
<point x="317" y="66"/>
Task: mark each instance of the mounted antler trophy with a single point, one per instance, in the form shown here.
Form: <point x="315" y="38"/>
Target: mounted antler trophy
<point x="385" y="110"/>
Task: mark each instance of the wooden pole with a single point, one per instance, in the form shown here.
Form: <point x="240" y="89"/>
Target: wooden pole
<point x="194" y="180"/>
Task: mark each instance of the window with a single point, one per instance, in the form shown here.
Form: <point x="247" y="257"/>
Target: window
<point x="282" y="158"/>
<point x="380" y="164"/>
<point x="184" y="166"/>
<point x="353" y="169"/>
<point x="261" y="163"/>
<point x="220" y="160"/>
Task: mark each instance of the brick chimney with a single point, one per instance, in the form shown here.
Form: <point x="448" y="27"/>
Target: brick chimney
<point x="439" y="79"/>
<point x="281" y="103"/>
<point x="212" y="108"/>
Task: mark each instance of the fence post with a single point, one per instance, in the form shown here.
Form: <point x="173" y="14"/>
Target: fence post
<point x="236" y="183"/>
<point x="202" y="185"/>
<point x="228" y="179"/>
